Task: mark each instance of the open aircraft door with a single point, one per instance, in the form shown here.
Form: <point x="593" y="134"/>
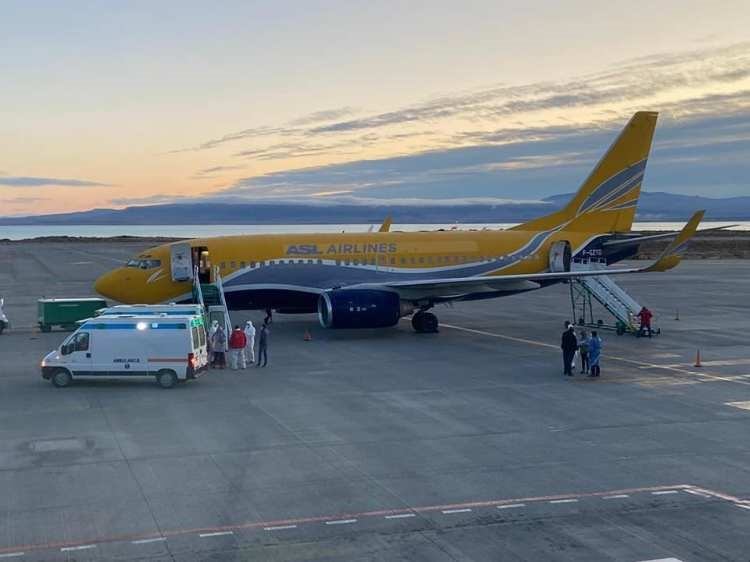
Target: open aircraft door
<point x="181" y="262"/>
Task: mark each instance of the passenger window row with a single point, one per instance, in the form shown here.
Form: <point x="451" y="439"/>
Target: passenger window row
<point x="382" y="260"/>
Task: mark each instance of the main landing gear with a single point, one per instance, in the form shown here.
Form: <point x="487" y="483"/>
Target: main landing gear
<point x="424" y="322"/>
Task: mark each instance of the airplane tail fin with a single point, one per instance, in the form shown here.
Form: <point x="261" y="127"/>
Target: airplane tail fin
<point x="607" y="199"/>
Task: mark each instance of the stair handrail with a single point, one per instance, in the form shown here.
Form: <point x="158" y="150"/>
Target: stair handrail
<point x="223" y="301"/>
<point x="197" y="287"/>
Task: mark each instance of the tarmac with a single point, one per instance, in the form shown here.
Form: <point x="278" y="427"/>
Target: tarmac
<point x="386" y="444"/>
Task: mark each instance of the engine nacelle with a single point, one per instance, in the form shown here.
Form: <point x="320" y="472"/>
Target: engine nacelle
<point x="359" y="308"/>
<point x="560" y="256"/>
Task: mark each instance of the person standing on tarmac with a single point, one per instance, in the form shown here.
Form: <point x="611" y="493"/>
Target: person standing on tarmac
<point x="583" y="351"/>
<point x="263" y="346"/>
<point x="219" y="346"/>
<point x="237" y="343"/>
<point x="250" y="347"/>
<point x="645" y="316"/>
<point x="569" y="345"/>
<point x="595" y="353"/>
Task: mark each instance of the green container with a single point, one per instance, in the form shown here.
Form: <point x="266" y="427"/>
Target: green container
<point x="66" y="312"/>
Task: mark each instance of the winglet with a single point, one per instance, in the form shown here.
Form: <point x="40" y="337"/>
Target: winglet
<point x="672" y="254"/>
<point x="386" y="226"/>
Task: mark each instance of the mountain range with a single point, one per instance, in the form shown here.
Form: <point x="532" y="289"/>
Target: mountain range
<point x="656" y="206"/>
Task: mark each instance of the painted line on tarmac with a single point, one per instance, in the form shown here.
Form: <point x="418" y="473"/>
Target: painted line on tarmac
<point x="665" y="492"/>
<point x="616" y="497"/>
<point x="452" y="511"/>
<point x="12" y="555"/>
<point x="640" y="364"/>
<point x="350" y="518"/>
<point x="280" y="528"/>
<point x="149" y="541"/>
<point x="216" y="534"/>
<point x="79" y="547"/>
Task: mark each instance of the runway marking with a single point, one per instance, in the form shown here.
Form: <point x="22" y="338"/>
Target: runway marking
<point x="742" y="506"/>
<point x="571" y="500"/>
<point x="344" y="518"/>
<point x="148" y="541"/>
<point x="216" y="534"/>
<point x="665" y="492"/>
<point x="644" y="364"/>
<point x="452" y="511"/>
<point x="79" y="547"/>
<point x="12" y="555"/>
<point x="401" y="516"/>
<point x="616" y="497"/>
<point x="280" y="528"/>
<point x="663" y="560"/>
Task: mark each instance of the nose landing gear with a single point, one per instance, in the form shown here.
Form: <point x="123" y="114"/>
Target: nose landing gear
<point x="424" y="322"/>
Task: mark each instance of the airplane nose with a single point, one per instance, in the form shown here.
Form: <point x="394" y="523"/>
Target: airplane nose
<point x="109" y="285"/>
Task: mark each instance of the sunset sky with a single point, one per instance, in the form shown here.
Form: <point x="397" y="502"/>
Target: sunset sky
<point x="110" y="104"/>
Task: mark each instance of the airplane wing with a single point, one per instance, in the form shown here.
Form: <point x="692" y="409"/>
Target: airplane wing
<point x="636" y="239"/>
<point x="446" y="288"/>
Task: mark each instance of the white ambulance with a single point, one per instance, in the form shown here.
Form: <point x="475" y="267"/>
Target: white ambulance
<point x="169" y="348"/>
<point x="152" y="309"/>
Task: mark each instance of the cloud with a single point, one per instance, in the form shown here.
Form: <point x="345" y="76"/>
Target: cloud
<point x="700" y="154"/>
<point x="23" y="200"/>
<point x="325" y="115"/>
<point x="211" y="173"/>
<point x="687" y="84"/>
<point x="28" y="181"/>
<point x="149" y="200"/>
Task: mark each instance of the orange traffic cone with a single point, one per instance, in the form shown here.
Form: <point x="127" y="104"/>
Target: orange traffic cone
<point x="308" y="335"/>
<point x="698" y="358"/>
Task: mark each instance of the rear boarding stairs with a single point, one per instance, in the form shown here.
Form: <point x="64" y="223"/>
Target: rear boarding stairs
<point x="609" y="294"/>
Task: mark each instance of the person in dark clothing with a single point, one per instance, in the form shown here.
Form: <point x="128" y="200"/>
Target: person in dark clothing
<point x="263" y="346"/>
<point x="569" y="345"/>
<point x="269" y="317"/>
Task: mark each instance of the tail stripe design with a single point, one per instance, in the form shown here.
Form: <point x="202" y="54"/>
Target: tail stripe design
<point x="612" y="189"/>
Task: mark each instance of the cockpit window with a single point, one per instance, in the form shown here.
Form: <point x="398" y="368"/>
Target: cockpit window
<point x="144" y="263"/>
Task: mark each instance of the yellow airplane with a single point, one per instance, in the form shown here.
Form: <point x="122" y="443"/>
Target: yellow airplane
<point x="372" y="279"/>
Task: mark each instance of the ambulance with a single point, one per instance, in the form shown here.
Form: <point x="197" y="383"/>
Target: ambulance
<point x="167" y="348"/>
<point x="171" y="309"/>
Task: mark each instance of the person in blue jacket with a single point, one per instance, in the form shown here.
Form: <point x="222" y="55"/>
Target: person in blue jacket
<point x="595" y="353"/>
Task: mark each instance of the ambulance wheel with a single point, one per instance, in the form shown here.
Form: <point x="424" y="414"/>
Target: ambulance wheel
<point x="61" y="378"/>
<point x="166" y="379"/>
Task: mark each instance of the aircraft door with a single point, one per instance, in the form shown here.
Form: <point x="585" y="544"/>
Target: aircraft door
<point x="181" y="262"/>
<point x="559" y="256"/>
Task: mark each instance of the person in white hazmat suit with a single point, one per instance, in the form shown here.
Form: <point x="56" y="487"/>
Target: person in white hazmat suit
<point x="211" y="331"/>
<point x="250" y="347"/>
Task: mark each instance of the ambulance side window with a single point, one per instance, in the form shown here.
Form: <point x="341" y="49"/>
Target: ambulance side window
<point x="79" y="342"/>
<point x="82" y="341"/>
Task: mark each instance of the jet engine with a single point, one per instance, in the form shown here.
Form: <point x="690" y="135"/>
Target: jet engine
<point x="359" y="308"/>
<point x="559" y="256"/>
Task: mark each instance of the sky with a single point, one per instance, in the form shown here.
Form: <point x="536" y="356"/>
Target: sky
<point x="106" y="104"/>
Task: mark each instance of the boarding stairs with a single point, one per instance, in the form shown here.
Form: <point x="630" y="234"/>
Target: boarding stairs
<point x="609" y="294"/>
<point x="211" y="297"/>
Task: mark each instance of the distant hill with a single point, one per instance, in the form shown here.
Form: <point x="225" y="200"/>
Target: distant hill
<point x="652" y="206"/>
